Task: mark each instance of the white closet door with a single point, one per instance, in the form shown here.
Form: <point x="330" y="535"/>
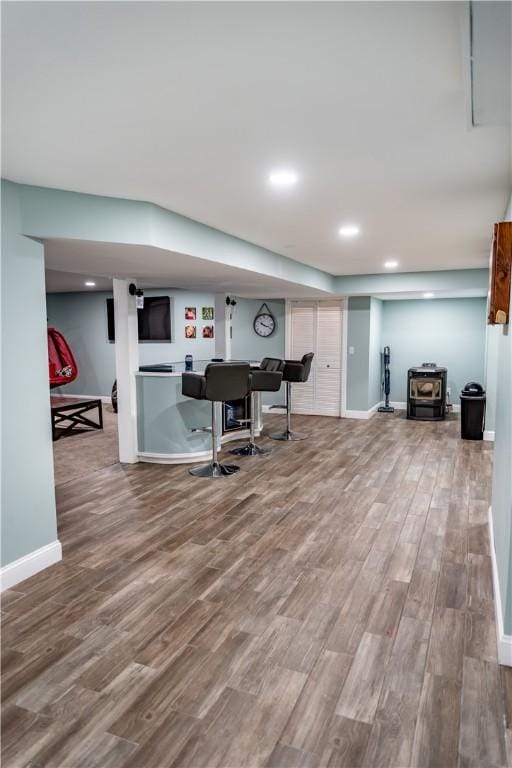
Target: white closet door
<point x="328" y="359"/>
<point x="317" y="327"/>
<point x="303" y="332"/>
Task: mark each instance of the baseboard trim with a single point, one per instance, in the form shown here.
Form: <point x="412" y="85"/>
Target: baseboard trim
<point x="504" y="641"/>
<point x="176" y="458"/>
<point x="349" y="414"/>
<point x="103" y="398"/>
<point x="356" y="414"/>
<point x="346" y="414"/>
<point x="489" y="435"/>
<point x="401" y="406"/>
<point x="270" y="409"/>
<point x="192" y="458"/>
<point x="28" y="565"/>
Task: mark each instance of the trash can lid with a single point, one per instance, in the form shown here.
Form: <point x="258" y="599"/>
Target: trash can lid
<point x="472" y="389"/>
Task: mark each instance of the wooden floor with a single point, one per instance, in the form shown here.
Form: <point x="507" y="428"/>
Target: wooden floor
<point x="77" y="455"/>
<point x="329" y="606"/>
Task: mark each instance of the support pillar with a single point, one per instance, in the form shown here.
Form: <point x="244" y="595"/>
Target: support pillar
<point x="127" y="364"/>
<point x="222" y="327"/>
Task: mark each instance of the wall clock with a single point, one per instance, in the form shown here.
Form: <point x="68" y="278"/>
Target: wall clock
<point x="264" y="322"/>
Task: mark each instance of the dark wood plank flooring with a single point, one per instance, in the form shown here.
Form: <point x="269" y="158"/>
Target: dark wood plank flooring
<point x="331" y="605"/>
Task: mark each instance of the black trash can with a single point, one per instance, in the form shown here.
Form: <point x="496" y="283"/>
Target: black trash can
<point x="472" y="411"/>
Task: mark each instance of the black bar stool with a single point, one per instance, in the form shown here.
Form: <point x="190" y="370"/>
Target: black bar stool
<point x="266" y="378"/>
<point x="295" y="371"/>
<point x="220" y="382"/>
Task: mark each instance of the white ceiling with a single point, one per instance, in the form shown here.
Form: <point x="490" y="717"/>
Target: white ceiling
<point x="460" y="293"/>
<point x="72" y="282"/>
<point x="58" y="281"/>
<point x="69" y="263"/>
<point x="191" y="105"/>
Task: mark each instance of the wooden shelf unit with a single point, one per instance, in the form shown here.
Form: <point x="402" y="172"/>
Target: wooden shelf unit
<point x="499" y="274"/>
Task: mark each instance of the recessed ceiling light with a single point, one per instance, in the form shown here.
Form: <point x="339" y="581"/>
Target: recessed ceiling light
<point x="90" y="284"/>
<point x="391" y="264"/>
<point x="349" y="230"/>
<point x="428" y="295"/>
<point x="283" y="178"/>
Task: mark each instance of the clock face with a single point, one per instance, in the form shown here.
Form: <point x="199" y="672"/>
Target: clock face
<point x="264" y="325"/>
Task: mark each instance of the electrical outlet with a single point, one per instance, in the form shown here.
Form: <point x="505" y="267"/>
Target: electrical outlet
<point x="351" y="350"/>
<point x="449" y="390"/>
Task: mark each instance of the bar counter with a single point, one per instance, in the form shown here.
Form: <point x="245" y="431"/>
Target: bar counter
<point x="166" y="420"/>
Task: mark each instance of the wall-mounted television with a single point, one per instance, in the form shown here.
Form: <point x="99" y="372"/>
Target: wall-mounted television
<point x="154" y="319"/>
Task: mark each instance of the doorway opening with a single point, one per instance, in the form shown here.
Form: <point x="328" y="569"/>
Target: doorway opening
<point x="83" y="412"/>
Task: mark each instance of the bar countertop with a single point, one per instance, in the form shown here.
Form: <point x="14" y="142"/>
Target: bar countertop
<point x="178" y="367"/>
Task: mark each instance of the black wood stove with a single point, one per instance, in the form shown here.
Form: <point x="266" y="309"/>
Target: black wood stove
<point x="426" y="392"/>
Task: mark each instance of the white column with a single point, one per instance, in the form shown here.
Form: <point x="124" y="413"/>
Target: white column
<point x="127" y="364"/>
<point x="222" y="327"/>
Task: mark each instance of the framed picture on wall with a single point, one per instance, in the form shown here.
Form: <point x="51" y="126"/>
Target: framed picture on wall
<point x="190" y="313"/>
<point x="208" y="332"/>
<point x="208" y="313"/>
<point x="190" y="331"/>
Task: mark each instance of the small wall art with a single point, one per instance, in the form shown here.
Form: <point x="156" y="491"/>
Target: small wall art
<point x="190" y="313"/>
<point x="190" y="331"/>
<point x="208" y="332"/>
<point x="208" y="313"/>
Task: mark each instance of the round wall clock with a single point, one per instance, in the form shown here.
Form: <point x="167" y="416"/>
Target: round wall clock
<point x="264" y="322"/>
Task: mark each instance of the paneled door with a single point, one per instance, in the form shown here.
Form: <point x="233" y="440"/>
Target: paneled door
<point x="317" y="326"/>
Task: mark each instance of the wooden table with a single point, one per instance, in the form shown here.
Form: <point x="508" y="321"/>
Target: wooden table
<point x="72" y="410"/>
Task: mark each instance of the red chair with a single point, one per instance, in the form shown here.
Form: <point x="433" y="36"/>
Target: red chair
<point x="62" y="367"/>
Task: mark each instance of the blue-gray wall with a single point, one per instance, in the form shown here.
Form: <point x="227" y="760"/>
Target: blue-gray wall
<point x="449" y="332"/>
<point x="55" y="213"/>
<point x="28" y="508"/>
<point x="364" y="336"/>
<point x="502" y="479"/>
<point x="82" y="318"/>
<point x="502" y="476"/>
<point x="375" y="353"/>
<point x="492" y="345"/>
<point x="246" y="343"/>
<point x="358" y="362"/>
<point x="28" y="498"/>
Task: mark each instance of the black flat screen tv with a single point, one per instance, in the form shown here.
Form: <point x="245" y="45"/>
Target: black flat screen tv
<point x="154" y="319"/>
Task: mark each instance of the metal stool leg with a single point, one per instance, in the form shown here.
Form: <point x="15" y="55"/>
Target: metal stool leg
<point x="251" y="449"/>
<point x="288" y="434"/>
<point x="215" y="469"/>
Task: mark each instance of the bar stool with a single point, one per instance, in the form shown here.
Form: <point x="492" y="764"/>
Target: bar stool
<point x="294" y="371"/>
<point x="220" y="382"/>
<point x="266" y="378"/>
